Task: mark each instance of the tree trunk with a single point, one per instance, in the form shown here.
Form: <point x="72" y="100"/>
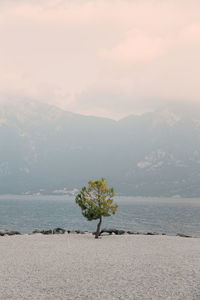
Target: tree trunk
<point x="98" y="228"/>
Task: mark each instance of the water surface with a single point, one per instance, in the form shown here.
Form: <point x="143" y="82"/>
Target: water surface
<point x="162" y="215"/>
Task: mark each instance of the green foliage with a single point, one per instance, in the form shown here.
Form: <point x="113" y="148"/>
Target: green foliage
<point x="96" y="200"/>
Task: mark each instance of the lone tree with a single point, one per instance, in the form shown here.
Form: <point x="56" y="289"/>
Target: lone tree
<point x="96" y="202"/>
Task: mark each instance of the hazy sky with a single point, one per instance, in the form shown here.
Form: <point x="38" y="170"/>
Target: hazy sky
<point x="102" y="57"/>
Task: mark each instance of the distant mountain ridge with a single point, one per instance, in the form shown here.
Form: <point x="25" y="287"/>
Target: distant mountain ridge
<point x="44" y="148"/>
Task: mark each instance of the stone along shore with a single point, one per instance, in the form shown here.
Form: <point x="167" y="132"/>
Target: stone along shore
<point x="105" y="231"/>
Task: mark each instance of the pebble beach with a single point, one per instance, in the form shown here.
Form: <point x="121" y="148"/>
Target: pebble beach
<point x="75" y="266"/>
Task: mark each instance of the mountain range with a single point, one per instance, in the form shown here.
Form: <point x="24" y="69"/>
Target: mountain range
<point x="46" y="149"/>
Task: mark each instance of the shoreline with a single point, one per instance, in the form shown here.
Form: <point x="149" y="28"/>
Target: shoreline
<point x="58" y="230"/>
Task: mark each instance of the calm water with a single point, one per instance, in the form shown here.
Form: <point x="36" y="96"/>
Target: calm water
<point x="169" y="215"/>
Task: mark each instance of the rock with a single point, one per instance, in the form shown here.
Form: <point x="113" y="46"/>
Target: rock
<point x="79" y="231"/>
<point x="119" y="232"/>
<point x="111" y="231"/>
<point x="48" y="231"/>
<point x="8" y="232"/>
<point x="58" y="230"/>
<point x="43" y="231"/>
<point x="38" y="231"/>
<point x="183" y="235"/>
<point x="75" y="231"/>
<point x="13" y="232"/>
<point x="151" y="233"/>
<point x="3" y="232"/>
<point x="131" y="232"/>
<point x="103" y="233"/>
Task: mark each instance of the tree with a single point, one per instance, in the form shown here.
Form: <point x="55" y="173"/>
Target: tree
<point x="96" y="202"/>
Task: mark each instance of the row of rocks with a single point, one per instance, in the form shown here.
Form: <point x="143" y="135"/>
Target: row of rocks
<point x="8" y="232"/>
<point x="104" y="231"/>
<point x="58" y="231"/>
<point x="121" y="232"/>
<point x="50" y="231"/>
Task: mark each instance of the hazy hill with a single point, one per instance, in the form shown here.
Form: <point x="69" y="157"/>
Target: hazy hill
<point x="43" y="147"/>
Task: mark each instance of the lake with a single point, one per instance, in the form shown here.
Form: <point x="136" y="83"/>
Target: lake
<point x="162" y="215"/>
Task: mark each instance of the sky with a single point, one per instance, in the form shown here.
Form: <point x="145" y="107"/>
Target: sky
<point x="107" y="58"/>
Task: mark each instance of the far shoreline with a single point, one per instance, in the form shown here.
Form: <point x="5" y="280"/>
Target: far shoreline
<point x="123" y="198"/>
<point x="63" y="195"/>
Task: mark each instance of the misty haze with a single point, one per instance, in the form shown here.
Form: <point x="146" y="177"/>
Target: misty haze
<point x="47" y="150"/>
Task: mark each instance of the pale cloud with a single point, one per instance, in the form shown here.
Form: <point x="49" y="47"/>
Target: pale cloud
<point x="137" y="48"/>
<point x="190" y="35"/>
<point x="105" y="57"/>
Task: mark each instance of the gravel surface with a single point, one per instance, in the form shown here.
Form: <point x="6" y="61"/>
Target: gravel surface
<point x="72" y="266"/>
